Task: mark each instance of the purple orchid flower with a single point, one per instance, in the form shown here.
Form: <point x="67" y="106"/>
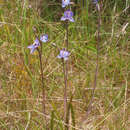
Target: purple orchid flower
<point x="33" y="47"/>
<point x="44" y="38"/>
<point x="63" y="55"/>
<point x="68" y="15"/>
<point x="65" y="3"/>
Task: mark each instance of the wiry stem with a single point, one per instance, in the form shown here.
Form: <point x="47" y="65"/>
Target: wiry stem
<point x="65" y="71"/>
<point x="42" y="78"/>
<point x="65" y="89"/>
<point x="68" y="111"/>
<point x="67" y="36"/>
<point x="43" y="84"/>
<point x="97" y="62"/>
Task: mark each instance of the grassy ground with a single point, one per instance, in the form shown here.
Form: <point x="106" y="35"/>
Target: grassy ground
<point x="20" y="87"/>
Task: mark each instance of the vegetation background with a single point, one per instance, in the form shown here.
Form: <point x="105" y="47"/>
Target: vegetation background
<point x="20" y="88"/>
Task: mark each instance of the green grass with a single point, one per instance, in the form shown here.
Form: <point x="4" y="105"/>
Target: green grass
<point x="20" y="87"/>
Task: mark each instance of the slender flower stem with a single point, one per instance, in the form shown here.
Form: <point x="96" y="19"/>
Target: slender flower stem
<point x="65" y="71"/>
<point x="66" y="67"/>
<point x="68" y="111"/>
<point x="43" y="85"/>
<point x="97" y="61"/>
<point x="67" y="35"/>
<point x="42" y="79"/>
<point x="65" y="89"/>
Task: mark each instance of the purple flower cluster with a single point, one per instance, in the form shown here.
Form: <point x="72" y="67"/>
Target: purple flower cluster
<point x="68" y="14"/>
<point x="33" y="47"/>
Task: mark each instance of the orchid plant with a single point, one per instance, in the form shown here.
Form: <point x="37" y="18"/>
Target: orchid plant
<point x="64" y="55"/>
<point x="35" y="46"/>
